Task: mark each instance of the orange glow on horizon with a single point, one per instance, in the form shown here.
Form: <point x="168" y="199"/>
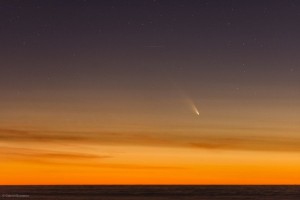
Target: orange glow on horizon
<point x="149" y="165"/>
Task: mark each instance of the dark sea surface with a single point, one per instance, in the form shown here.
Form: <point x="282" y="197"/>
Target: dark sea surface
<point x="151" y="192"/>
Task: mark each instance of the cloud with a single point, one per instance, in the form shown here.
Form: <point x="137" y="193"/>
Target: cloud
<point x="37" y="136"/>
<point x="214" y="139"/>
<point x="109" y="138"/>
<point x="62" y="158"/>
<point x="247" y="142"/>
<point x="41" y="154"/>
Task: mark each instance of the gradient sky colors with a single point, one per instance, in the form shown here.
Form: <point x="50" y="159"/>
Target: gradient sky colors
<point x="149" y="92"/>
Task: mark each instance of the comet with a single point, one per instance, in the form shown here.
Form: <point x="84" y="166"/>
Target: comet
<point x="187" y="99"/>
<point x="191" y="103"/>
<point x="196" y="110"/>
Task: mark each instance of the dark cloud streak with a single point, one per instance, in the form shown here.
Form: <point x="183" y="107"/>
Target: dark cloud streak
<point x="228" y="141"/>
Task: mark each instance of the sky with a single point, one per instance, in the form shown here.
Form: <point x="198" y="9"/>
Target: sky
<point x="149" y="92"/>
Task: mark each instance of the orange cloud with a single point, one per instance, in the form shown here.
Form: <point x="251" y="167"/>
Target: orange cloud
<point x="16" y="153"/>
<point x="236" y="139"/>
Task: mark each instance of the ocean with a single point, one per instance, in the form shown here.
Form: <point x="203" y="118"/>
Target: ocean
<point x="157" y="192"/>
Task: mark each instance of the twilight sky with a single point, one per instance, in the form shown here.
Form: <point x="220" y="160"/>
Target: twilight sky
<point x="150" y="92"/>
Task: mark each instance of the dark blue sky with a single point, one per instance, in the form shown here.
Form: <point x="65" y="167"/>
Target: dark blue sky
<point x="68" y="43"/>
